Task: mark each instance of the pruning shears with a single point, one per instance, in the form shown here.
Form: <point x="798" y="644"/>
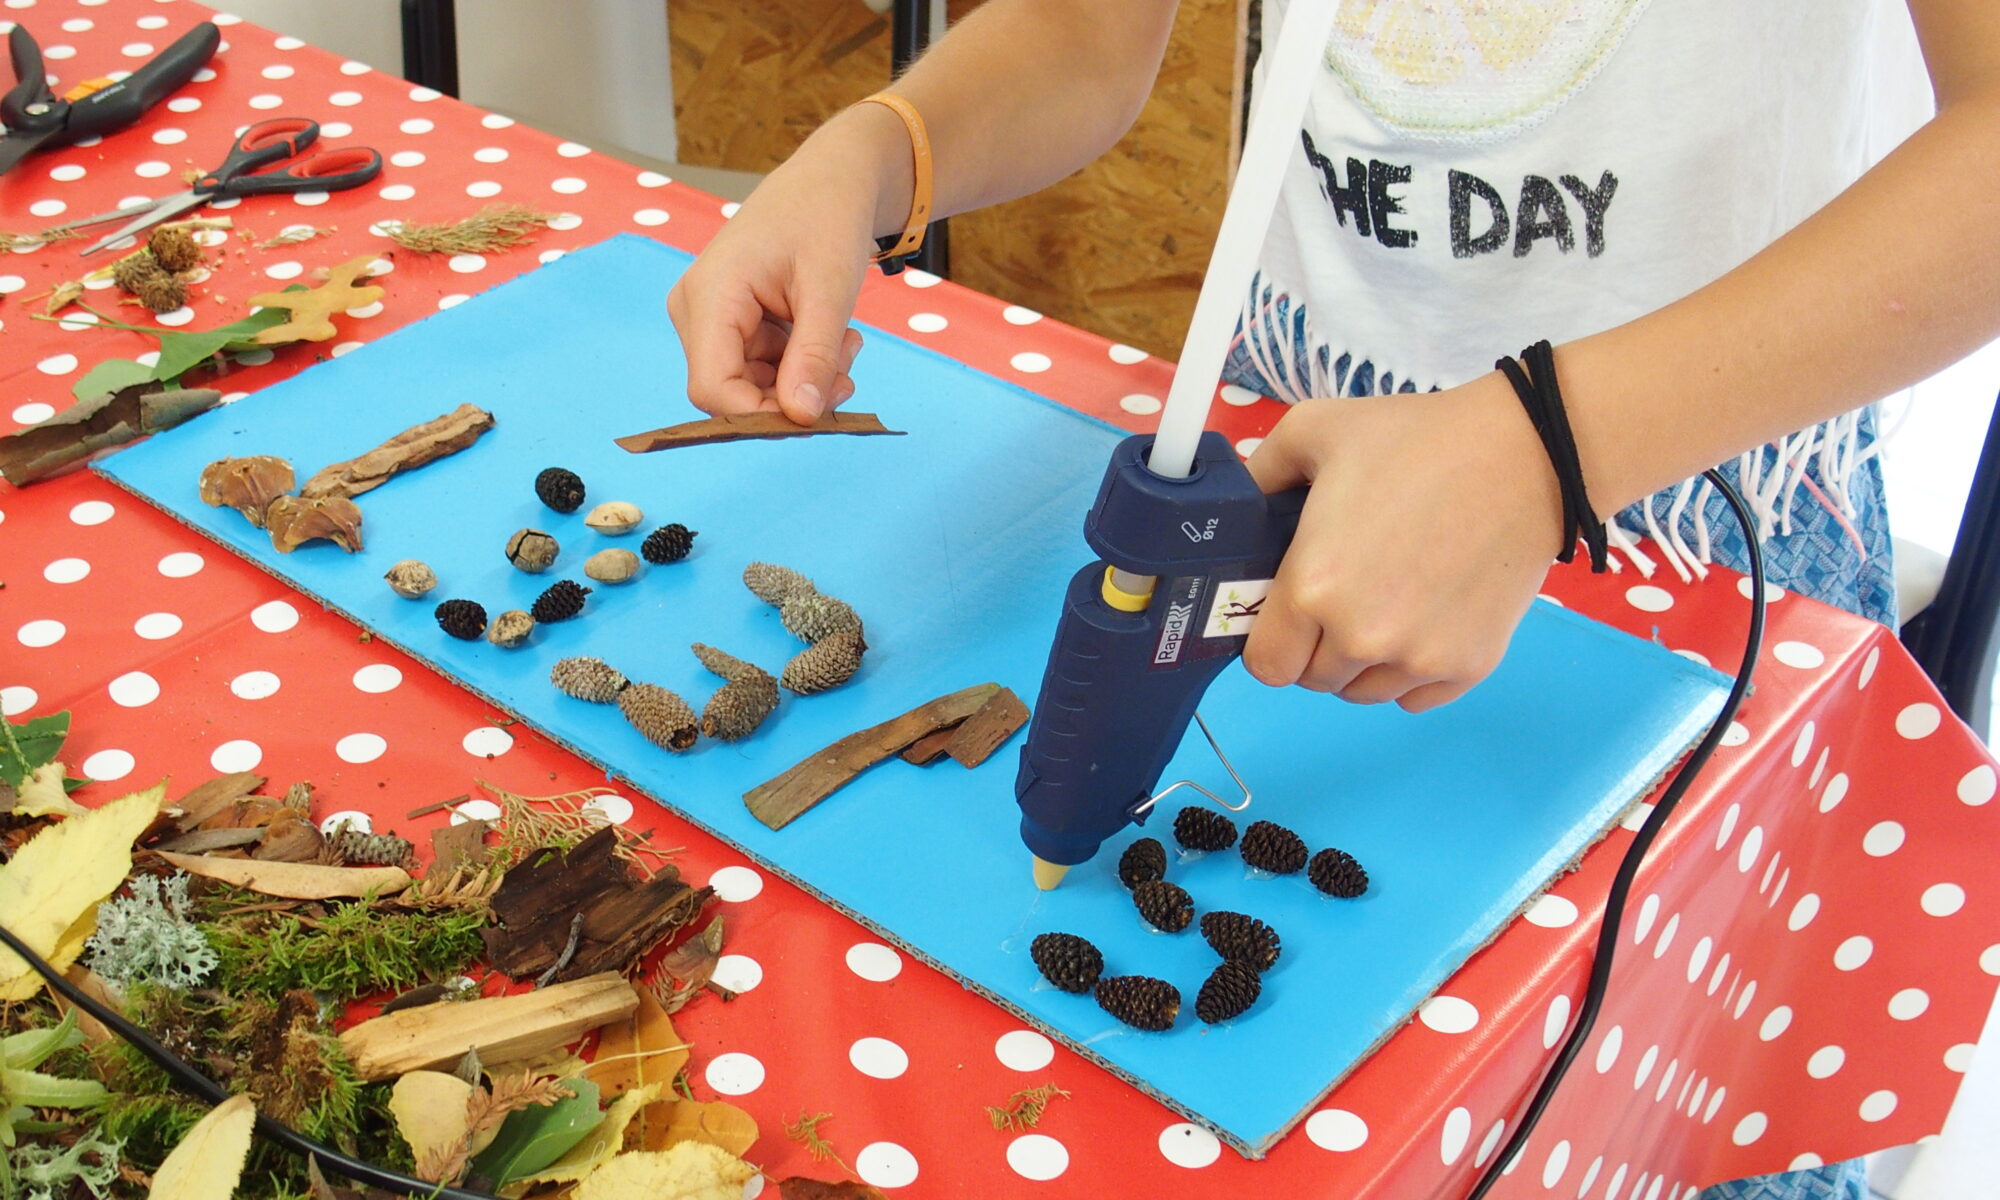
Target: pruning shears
<point x="37" y="118"/>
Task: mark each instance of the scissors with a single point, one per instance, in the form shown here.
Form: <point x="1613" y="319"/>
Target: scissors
<point x="260" y="145"/>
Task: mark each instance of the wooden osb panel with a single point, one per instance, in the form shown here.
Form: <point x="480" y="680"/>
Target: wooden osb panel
<point x="1118" y="248"/>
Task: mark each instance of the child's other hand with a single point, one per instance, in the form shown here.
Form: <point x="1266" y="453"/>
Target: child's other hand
<point x="1430" y="525"/>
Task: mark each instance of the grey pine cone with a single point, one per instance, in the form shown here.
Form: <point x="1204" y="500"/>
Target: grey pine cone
<point x="817" y="617"/>
<point x="728" y="665"/>
<point x="664" y="718"/>
<point x="774" y="584"/>
<point x="825" y="664"/>
<point x="739" y="707"/>
<point x="590" y="679"/>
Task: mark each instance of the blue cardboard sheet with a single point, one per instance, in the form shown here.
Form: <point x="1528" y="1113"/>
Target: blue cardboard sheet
<point x="954" y="543"/>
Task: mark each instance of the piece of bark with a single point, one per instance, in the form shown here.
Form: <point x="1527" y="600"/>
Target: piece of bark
<point x="294" y="881"/>
<point x="289" y="838"/>
<point x="779" y="801"/>
<point x="539" y="901"/>
<point x="755" y="426"/>
<point x="83" y="430"/>
<point x="501" y="1029"/>
<point x="412" y="448"/>
<point x="929" y="748"/>
<point x="461" y="845"/>
<point x="988" y="729"/>
<point x="214" y="796"/>
<point x="202" y="841"/>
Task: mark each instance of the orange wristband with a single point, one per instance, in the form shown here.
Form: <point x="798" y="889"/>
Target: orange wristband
<point x="920" y="196"/>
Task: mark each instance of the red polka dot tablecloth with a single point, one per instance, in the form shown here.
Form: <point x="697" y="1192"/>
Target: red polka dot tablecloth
<point x="1807" y="960"/>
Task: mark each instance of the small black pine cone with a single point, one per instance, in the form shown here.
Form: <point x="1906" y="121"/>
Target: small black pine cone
<point x="1143" y="862"/>
<point x="824" y="664"/>
<point x="1204" y="829"/>
<point x="560" y="489"/>
<point x="739" y="707"/>
<point x="1229" y="990"/>
<point x="562" y="600"/>
<point x="358" y="849"/>
<point x="774" y="584"/>
<point x="590" y="679"/>
<point x="1166" y="906"/>
<point x="1239" y="937"/>
<point x="1271" y="847"/>
<point x="462" y="619"/>
<point x="668" y="543"/>
<point x="1140" y="1001"/>
<point x="1066" y="960"/>
<point x="663" y="717"/>
<point x="1336" y="873"/>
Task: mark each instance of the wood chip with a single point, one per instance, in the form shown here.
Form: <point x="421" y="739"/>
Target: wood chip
<point x="589" y="896"/>
<point x="201" y="841"/>
<point x="217" y="794"/>
<point x="779" y="802"/>
<point x="501" y="1029"/>
<point x="412" y="448"/>
<point x="459" y="846"/>
<point x="929" y="748"/>
<point x="294" y="881"/>
<point x="988" y="729"/>
<point x="738" y="427"/>
<point x="437" y="806"/>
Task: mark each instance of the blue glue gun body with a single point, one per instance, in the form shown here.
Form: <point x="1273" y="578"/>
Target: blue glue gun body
<point x="1128" y="668"/>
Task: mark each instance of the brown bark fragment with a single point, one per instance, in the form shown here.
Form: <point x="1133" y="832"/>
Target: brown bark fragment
<point x="78" y="433"/>
<point x="412" y="448"/>
<point x="929" y="748"/>
<point x="738" y="427"/>
<point x="988" y="729"/>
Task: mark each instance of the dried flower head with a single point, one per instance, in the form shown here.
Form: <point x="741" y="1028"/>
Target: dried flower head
<point x="590" y="679"/>
<point x="247" y="485"/>
<point x="824" y="665"/>
<point x="560" y="489"/>
<point x="294" y="522"/>
<point x="532" y="551"/>
<point x="774" y="585"/>
<point x="410" y="579"/>
<point x="668" y="543"/>
<point x="615" y="517"/>
<point x="174" y="249"/>
<point x="511" y="629"/>
<point x="462" y="619"/>
<point x="162" y="293"/>
<point x="612" y="566"/>
<point x="132" y="272"/>
<point x="664" y="718"/>
<point x="816" y="617"/>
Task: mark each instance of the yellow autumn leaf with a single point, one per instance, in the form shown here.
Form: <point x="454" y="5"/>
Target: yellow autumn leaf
<point x="716" y="1122"/>
<point x="641" y="1049"/>
<point x="429" y="1110"/>
<point x="208" y="1163"/>
<point x="598" y="1146"/>
<point x="312" y="309"/>
<point x="43" y="795"/>
<point x="50" y="889"/>
<point x="689" y="1171"/>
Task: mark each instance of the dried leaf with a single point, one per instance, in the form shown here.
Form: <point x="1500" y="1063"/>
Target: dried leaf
<point x="799" y="1187"/>
<point x="43" y="795"/>
<point x="642" y="1050"/>
<point x="294" y="881"/>
<point x="716" y="1122"/>
<point x="247" y="485"/>
<point x="692" y="963"/>
<point x="597" y="1147"/>
<point x="689" y="1171"/>
<point x="64" y="294"/>
<point x="208" y="1162"/>
<point x="293" y="522"/>
<point x="95" y="425"/>
<point x="429" y="1110"/>
<point x="534" y="1138"/>
<point x="111" y="375"/>
<point x="50" y="889"/>
<point x="312" y="309"/>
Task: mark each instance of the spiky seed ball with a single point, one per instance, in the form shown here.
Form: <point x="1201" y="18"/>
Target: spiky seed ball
<point x="461" y="619"/>
<point x="774" y="584"/>
<point x="1242" y="938"/>
<point x="665" y="719"/>
<point x="668" y="543"/>
<point x="739" y="707"/>
<point x="560" y="489"/>
<point x="1228" y="992"/>
<point x="1066" y="960"/>
<point x="825" y="664"/>
<point x="162" y="293"/>
<point x="1203" y="829"/>
<point x="1269" y="846"/>
<point x="728" y="665"/>
<point x="1140" y="1001"/>
<point x="817" y="617"/>
<point x="131" y="273"/>
<point x="1166" y="906"/>
<point x="1143" y="862"/>
<point x="562" y="600"/>
<point x="590" y="679"/>
<point x="174" y="249"/>
<point x="1336" y="873"/>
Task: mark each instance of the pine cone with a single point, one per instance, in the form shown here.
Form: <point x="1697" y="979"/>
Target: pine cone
<point x="1239" y="937"/>
<point x="728" y="666"/>
<point x="1166" y="906"/>
<point x="814" y="618"/>
<point x="1271" y="847"/>
<point x="1229" y="990"/>
<point x="174" y="249"/>
<point x="1143" y="862"/>
<point x="668" y="543"/>
<point x="562" y="600"/>
<point x="1336" y="873"/>
<point x="825" y="664"/>
<point x="1203" y="829"/>
<point x="774" y="585"/>
<point x="590" y="679"/>
<point x="560" y="489"/>
<point x="664" y="718"/>
<point x="358" y="849"/>
<point x="1140" y="1001"/>
<point x="461" y="619"/>
<point x="1066" y="960"/>
<point x="739" y="707"/>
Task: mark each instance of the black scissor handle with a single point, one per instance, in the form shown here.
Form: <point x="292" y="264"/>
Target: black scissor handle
<point x="31" y="83"/>
<point x="112" y="108"/>
<point x="262" y="144"/>
<point x="332" y="171"/>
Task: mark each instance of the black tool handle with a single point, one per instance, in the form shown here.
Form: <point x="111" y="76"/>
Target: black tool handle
<point x="124" y="102"/>
<point x="31" y="81"/>
<point x="332" y="171"/>
<point x="262" y="144"/>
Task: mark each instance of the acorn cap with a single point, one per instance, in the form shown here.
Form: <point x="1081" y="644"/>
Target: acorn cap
<point x="1166" y="906"/>
<point x="590" y="679"/>
<point x="825" y="664"/>
<point x="664" y="718"/>
<point x="774" y="584"/>
<point x="1203" y="829"/>
<point x="1143" y="862"/>
<point x="462" y="619"/>
<point x="1140" y="1001"/>
<point x="562" y="600"/>
<point x="1241" y="938"/>
<point x="1336" y="873"/>
<point x="1269" y="846"/>
<point x="738" y="707"/>
<point x="1066" y="960"/>
<point x="816" y="617"/>
<point x="560" y="489"/>
<point x="1229" y="990"/>
<point x="668" y="543"/>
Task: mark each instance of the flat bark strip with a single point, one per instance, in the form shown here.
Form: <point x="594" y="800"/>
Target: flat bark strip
<point x="930" y="747"/>
<point x="779" y="802"/>
<point x="756" y="426"/>
<point x="501" y="1028"/>
<point x="89" y="427"/>
<point x="408" y="450"/>
<point x="456" y="846"/>
<point x="988" y="729"/>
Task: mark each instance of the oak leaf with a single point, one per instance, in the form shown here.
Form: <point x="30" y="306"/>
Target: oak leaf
<point x="312" y="309"/>
<point x="50" y="889"/>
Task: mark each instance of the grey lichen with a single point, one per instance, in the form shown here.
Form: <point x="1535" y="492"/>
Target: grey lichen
<point x="145" y="936"/>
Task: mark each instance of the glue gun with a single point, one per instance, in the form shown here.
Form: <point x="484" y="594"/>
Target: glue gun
<point x="1185" y="565"/>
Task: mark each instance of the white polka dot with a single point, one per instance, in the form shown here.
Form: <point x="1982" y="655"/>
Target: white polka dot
<point x="181" y="564"/>
<point x="277" y="71"/>
<point x="342" y="349"/>
<point x="1750" y="1128"/>
<point x="1014" y="314"/>
<point x="80" y="24"/>
<point x="1989" y="959"/>
<point x="1819" y="766"/>
<point x="106" y="765"/>
<point x="452" y="301"/>
<point x="377" y="677"/>
<point x="136" y="49"/>
<point x="879" y="964"/>
<point x="1803" y="912"/>
<point x="1667" y="933"/>
<point x="1753" y="845"/>
<point x="1959" y="1057"/>
<point x="310" y="199"/>
<point x="1743" y="999"/>
<point x="1551" y="912"/>
<point x="918" y="278"/>
<point x="366" y="310"/>
<point x="1248" y="446"/>
<point x="1714" y="1105"/>
<point x="17" y="699"/>
<point x="1457" y="1131"/>
<point x="651" y="216"/>
<point x="1943" y="899"/>
<point x="66" y="570"/>
<point x="1589" y="1177"/>
<point x="736" y="884"/>
<point x="730" y="208"/>
<point x="407" y="158"/>
<point x="1189" y="1146"/>
<point x="878" y="1058"/>
<point x="1555" y="1021"/>
<point x="1037" y="1156"/>
<point x="1490" y="1143"/>
<point x="416" y="125"/>
<point x="1698" y="959"/>
<point x="1649" y="911"/>
<point x="737" y="973"/>
<point x="1720" y="973"/>
<point x="1909" y="1004"/>
<point x="1125" y="355"/>
<point x="1647" y="598"/>
<point x="287" y="43"/>
<point x="1237" y="397"/>
<point x="612" y="808"/>
<point x="360" y="747"/>
<point x="424" y="94"/>
<point x="285" y="270"/>
<point x="1646" y="1063"/>
<point x="1607" y="1050"/>
<point x="134" y="689"/>
<point x="1611" y="1189"/>
<point x="1557" y="1163"/>
<point x="1030" y="362"/>
<point x="57" y="364"/>
<point x="238" y="755"/>
<point x="1833" y="793"/>
<point x="490" y="154"/>
<point x="1883" y="839"/>
<point x="652" y="179"/>
<point x="1736" y="735"/>
<point x="1700" y="1094"/>
<point x="1826" y="1061"/>
<point x="58" y="52"/>
<point x="1772" y="592"/>
<point x="496" y="121"/>
<point x="466" y="264"/>
<point x="1337" y="1130"/>
<point x="10" y="284"/>
<point x="34" y="413"/>
<point x="1803" y="746"/>
<point x="1139" y="404"/>
<point x="47" y="208"/>
<point x="1853" y="953"/>
<point x="1978" y="785"/>
<point x="1727" y="828"/>
<point x="1448" y="1014"/>
<point x="397" y="191"/>
<point x="355" y="68"/>
<point x="265" y="100"/>
<point x="474" y="810"/>
<point x="180" y="316"/>
<point x="274" y="616"/>
<point x="549" y="256"/>
<point x="482" y="188"/>
<point x="488" y="741"/>
<point x="1918" y="720"/>
<point x="564" y="221"/>
<point x="1802" y="655"/>
<point x="568" y="185"/>
<point x="735" y="1073"/>
<point x="255" y="685"/>
<point x="1877" y="1106"/>
<point x="347" y="818"/>
<point x="927" y="322"/>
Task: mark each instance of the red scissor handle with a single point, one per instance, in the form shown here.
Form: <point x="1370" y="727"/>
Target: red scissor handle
<point x="331" y="171"/>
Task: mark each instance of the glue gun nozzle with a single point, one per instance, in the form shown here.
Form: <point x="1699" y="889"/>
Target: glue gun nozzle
<point x="1048" y="874"/>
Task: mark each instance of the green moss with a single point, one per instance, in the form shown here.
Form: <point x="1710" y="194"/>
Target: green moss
<point x="354" y="950"/>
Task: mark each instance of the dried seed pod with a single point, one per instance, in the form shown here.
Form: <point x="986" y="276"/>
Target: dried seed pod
<point x="511" y="629"/>
<point x="590" y="679"/>
<point x="294" y="522"/>
<point x="728" y="665"/>
<point x="532" y="551"/>
<point x="247" y="485"/>
<point x="668" y="543"/>
<point x="410" y="579"/>
<point x="1066" y="960"/>
<point x="663" y="717"/>
<point x="774" y="584"/>
<point x="1269" y="846"/>
<point x="562" y="600"/>
<point x="358" y="849"/>
<point x="614" y="517"/>
<point x="162" y="293"/>
<point x="560" y="489"/>
<point x="1228" y="992"/>
<point x="134" y="272"/>
<point x="1336" y="873"/>
<point x="1203" y="829"/>
<point x="174" y="249"/>
<point x="612" y="566"/>
<point x="1144" y="861"/>
<point x="463" y="619"/>
<point x="1241" y="938"/>
<point x="1166" y="906"/>
<point x="739" y="707"/>
<point x="1140" y="1001"/>
<point x="825" y="664"/>
<point x="816" y="617"/>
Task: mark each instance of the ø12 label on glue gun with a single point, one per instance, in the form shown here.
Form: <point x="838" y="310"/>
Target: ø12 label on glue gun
<point x="1207" y="618"/>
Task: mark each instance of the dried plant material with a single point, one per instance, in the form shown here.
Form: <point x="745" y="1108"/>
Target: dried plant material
<point x="805" y="1131"/>
<point x="639" y="1052"/>
<point x="560" y="601"/>
<point x="460" y="888"/>
<point x="596" y="1148"/>
<point x="1203" y="829"/>
<point x="292" y="235"/>
<point x="486" y="1109"/>
<point x="988" y="729"/>
<point x="410" y="579"/>
<point x="510" y="629"/>
<point x="62" y="295"/>
<point x="691" y="965"/>
<point x="460" y="847"/>
<point x="615" y="517"/>
<point x="560" y="488"/>
<point x="21" y="243"/>
<point x="41" y="794"/>
<point x="215" y="796"/>
<point x="141" y="276"/>
<point x="208" y="1162"/>
<point x="755" y="426"/>
<point x="801" y="1187"/>
<point x="774" y="585"/>
<point x="174" y="248"/>
<point x="1228" y="992"/>
<point x="532" y="550"/>
<point x="824" y="665"/>
<point x="661" y="716"/>
<point x="503" y="1029"/>
<point x="586" y="678"/>
<point x="1023" y="1110"/>
<point x="929" y="748"/>
<point x="612" y="566"/>
<point x="408" y="450"/>
<point x="780" y="801"/>
<point x="668" y="544"/>
<point x="532" y="1139"/>
<point x="740" y="705"/>
<point x="1269" y="846"/>
<point x="202" y="841"/>
<point x="688" y="1171"/>
<point x="462" y="619"/>
<point x="589" y="894"/>
<point x="715" y="1122"/>
<point x="312" y="309"/>
<point x="290" y="838"/>
<point x="1337" y="873"/>
<point x="247" y="485"/>
<point x="294" y="881"/>
<point x="1068" y="961"/>
<point x="360" y="848"/>
<point x="495" y="227"/>
<point x="1140" y="1001"/>
<point x="294" y="521"/>
<point x="89" y="427"/>
<point x="429" y="1110"/>
<point x="813" y="619"/>
<point x="532" y="823"/>
<point x="51" y="886"/>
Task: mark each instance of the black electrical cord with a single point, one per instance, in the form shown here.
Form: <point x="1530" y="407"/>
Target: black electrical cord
<point x="1635" y="854"/>
<point x="188" y="1079"/>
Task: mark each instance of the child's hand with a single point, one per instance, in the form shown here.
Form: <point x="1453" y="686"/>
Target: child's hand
<point x="1431" y="522"/>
